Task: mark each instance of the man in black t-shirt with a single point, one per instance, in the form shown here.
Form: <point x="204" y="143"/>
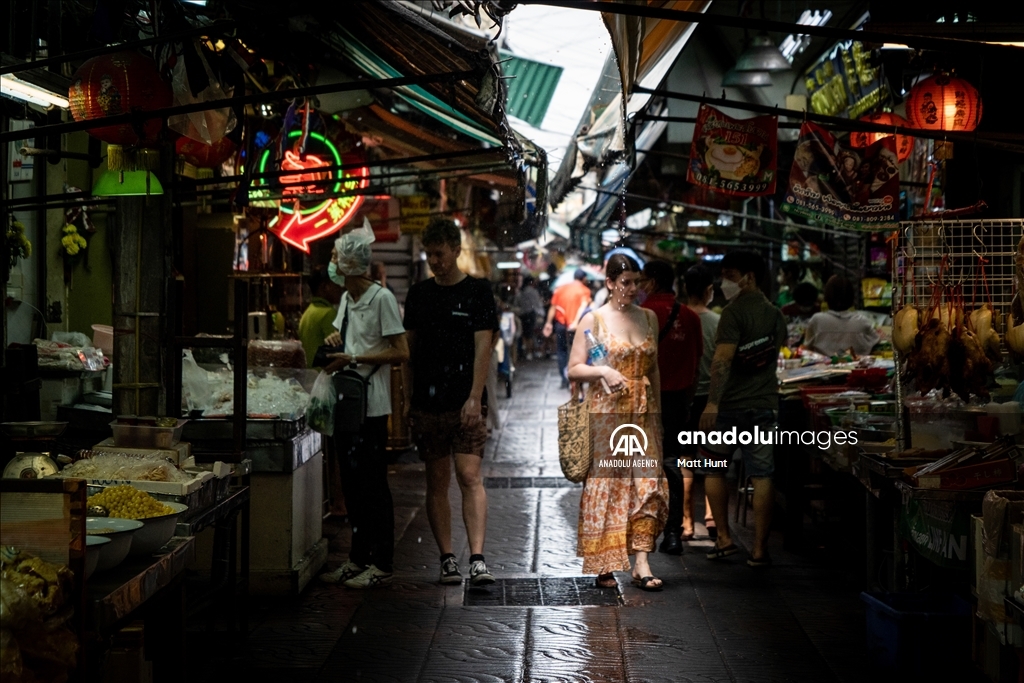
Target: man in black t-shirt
<point x="450" y="320"/>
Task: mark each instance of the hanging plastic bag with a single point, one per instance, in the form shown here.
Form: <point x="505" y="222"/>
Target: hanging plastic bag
<point x="201" y="85"/>
<point x="322" y="401"/>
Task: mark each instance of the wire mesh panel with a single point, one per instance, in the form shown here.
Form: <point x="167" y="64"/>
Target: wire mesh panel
<point x="975" y="259"/>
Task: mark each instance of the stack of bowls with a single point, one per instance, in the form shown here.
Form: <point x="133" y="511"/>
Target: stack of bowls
<point x="120" y="533"/>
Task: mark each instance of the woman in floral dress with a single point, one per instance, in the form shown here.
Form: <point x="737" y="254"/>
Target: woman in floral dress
<point x="625" y="502"/>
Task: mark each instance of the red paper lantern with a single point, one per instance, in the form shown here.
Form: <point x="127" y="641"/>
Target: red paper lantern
<point x="120" y="83"/>
<point x="944" y="102"/>
<point x="202" y="155"/>
<point x="904" y="143"/>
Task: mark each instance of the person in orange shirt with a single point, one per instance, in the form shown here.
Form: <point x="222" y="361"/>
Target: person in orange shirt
<point x="566" y="302"/>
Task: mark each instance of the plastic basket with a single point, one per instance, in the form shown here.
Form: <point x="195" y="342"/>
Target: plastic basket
<point x="917" y="633"/>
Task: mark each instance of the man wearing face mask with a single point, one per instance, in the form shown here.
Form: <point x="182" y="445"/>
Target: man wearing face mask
<point x="744" y="394"/>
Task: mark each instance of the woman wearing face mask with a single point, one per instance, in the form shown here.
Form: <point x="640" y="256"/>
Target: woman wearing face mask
<point x="625" y="499"/>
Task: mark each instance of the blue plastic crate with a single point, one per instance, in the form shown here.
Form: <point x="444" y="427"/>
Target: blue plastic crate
<point x="917" y="633"/>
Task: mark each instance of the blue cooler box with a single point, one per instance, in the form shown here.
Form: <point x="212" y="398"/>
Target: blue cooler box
<point x="917" y="633"/>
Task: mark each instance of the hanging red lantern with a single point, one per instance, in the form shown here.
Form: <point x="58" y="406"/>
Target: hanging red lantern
<point x="121" y="83"/>
<point x="944" y="102"/>
<point x="904" y="143"/>
<point x="202" y="155"/>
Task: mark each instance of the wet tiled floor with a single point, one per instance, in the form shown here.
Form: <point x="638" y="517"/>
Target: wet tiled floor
<point x="801" y="620"/>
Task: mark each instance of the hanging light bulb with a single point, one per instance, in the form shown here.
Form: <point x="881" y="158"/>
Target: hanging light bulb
<point x="747" y="79"/>
<point x="762" y="55"/>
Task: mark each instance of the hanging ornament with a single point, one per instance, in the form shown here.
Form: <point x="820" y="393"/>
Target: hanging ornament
<point x="121" y="83"/>
<point x="944" y="102"/>
<point x="904" y="143"/>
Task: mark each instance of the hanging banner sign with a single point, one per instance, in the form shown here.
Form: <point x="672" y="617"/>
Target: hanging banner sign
<point x="731" y="156"/>
<point x="846" y="187"/>
<point x="306" y="218"/>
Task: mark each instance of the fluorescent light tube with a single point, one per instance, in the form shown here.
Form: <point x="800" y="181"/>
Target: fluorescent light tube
<point x="25" y="91"/>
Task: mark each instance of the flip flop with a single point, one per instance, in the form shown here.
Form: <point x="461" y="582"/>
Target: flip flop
<point x="644" y="584"/>
<point x="759" y="562"/>
<point x="609" y="582"/>
<point x="717" y="553"/>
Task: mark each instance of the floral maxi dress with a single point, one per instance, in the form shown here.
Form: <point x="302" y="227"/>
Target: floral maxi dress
<point x="622" y="511"/>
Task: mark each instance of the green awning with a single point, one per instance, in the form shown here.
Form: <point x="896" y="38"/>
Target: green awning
<point x="530" y="92"/>
<point x="374" y="66"/>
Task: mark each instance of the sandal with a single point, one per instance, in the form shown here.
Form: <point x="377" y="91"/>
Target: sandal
<point x="645" y="584"/>
<point x="606" y="581"/>
<point x="717" y="553"/>
<point x="759" y="562"/>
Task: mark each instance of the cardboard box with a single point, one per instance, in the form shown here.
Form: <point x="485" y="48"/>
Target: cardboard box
<point x="171" y="488"/>
<point x="1001" y="510"/>
<point x="969" y="477"/>
<point x="178" y="454"/>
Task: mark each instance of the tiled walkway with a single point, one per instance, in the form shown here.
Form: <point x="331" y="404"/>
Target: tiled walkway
<point x="798" y="621"/>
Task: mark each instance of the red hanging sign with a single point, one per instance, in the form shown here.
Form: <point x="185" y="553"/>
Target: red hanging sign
<point x="731" y="156"/>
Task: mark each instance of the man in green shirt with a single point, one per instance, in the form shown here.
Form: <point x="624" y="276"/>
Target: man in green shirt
<point x="317" y="320"/>
<point x="743" y="400"/>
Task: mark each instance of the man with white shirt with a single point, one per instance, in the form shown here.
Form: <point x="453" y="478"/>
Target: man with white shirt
<point x="838" y="330"/>
<point x="373" y="338"/>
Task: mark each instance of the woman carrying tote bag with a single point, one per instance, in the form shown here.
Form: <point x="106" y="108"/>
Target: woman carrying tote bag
<point x="623" y="507"/>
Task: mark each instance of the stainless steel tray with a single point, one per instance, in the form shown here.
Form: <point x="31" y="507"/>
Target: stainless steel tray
<point x="31" y="430"/>
<point x="222" y="429"/>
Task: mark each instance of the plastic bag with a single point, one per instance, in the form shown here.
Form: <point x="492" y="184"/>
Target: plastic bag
<point x="197" y="393"/>
<point x="322" y="401"/>
<point x="353" y="250"/>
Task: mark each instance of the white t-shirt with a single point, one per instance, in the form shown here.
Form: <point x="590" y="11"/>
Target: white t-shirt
<point x="371" y="319"/>
<point x="833" y="332"/>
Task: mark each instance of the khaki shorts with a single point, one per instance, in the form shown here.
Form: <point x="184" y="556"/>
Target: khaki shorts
<point x="439" y="435"/>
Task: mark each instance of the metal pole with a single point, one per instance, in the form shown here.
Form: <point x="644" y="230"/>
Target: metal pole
<point x="255" y="98"/>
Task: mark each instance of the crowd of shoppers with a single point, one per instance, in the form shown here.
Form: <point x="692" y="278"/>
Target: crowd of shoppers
<point x="671" y="365"/>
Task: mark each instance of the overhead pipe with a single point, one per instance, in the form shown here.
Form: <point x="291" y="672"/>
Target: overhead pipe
<point x="216" y="27"/>
<point x="238" y="100"/>
<point x="879" y="37"/>
<point x="844" y="124"/>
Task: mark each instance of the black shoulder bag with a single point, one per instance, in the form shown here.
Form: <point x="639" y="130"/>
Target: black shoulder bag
<point x="352" y="388"/>
<point x="671" y="321"/>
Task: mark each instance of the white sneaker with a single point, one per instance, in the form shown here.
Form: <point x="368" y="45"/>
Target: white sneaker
<point x="371" y="578"/>
<point x="478" y="574"/>
<point x="343" y="573"/>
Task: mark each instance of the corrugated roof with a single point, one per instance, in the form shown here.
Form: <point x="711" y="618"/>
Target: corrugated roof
<point x="530" y="92"/>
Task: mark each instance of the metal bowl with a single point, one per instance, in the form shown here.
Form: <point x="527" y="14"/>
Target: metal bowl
<point x="93" y="550"/>
<point x="33" y="430"/>
<point x="120" y="533"/>
<point x="156" y="531"/>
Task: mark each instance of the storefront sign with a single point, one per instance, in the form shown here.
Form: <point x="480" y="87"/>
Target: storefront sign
<point x="733" y="157"/>
<point x="938" y="529"/>
<point x="416" y="211"/>
<point x="843" y="82"/>
<point x="856" y="188"/>
<point x="302" y="221"/>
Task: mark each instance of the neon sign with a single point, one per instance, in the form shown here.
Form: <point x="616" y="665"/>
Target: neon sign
<point x="298" y="224"/>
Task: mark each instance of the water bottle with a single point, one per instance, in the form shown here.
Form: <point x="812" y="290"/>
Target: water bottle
<point x="597" y="355"/>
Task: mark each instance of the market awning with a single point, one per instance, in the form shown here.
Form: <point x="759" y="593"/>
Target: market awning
<point x="645" y="49"/>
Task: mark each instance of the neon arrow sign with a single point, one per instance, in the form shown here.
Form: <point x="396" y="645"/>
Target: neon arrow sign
<point x="299" y="224"/>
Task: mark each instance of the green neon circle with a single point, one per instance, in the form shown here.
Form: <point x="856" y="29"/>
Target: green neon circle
<point x="337" y="162"/>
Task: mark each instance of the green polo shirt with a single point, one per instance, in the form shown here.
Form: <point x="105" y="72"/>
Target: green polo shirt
<point x="316" y="324"/>
<point x="745" y="319"/>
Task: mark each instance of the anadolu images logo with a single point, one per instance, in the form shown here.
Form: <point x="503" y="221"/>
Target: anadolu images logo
<point x="300" y="223"/>
<point x="628" y="444"/>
